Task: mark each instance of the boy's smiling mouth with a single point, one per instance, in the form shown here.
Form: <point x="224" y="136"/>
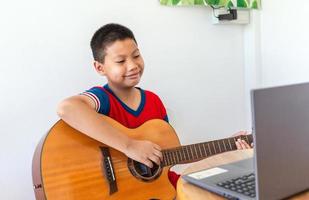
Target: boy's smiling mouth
<point x="135" y="75"/>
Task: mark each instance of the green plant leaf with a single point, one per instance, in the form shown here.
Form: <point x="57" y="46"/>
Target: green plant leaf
<point x="175" y="2"/>
<point x="199" y="2"/>
<point x="163" y="2"/>
<point x="242" y="3"/>
<point x="230" y="4"/>
<point x="254" y="5"/>
<point x="213" y="2"/>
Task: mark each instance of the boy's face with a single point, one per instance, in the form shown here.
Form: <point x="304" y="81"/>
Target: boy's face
<point x="123" y="65"/>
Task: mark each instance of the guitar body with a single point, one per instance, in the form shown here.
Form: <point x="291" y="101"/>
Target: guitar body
<point x="69" y="165"/>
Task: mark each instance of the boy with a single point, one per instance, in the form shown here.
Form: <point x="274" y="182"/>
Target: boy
<point x="117" y="57"/>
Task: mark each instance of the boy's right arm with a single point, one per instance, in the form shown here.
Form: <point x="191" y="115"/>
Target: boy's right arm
<point x="79" y="112"/>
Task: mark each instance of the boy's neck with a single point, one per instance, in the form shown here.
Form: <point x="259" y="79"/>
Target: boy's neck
<point x="125" y="94"/>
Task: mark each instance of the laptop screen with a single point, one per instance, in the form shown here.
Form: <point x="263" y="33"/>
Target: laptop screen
<point x="281" y="127"/>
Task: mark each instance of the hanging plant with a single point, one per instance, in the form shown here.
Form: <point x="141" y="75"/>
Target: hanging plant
<point x="254" y="4"/>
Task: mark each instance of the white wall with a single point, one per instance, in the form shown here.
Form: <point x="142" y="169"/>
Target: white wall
<point x="276" y="46"/>
<point x="284" y="42"/>
<point x="196" y="67"/>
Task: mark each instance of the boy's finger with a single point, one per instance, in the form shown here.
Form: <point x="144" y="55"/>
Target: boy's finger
<point x="246" y="145"/>
<point x="157" y="147"/>
<point x="159" y="154"/>
<point x="238" y="145"/>
<point x="148" y="163"/>
<point x="155" y="159"/>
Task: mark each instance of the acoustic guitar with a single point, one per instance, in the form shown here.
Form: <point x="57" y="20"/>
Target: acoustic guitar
<point x="70" y="165"/>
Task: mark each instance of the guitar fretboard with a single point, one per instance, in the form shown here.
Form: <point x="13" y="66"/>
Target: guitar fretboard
<point x="195" y="152"/>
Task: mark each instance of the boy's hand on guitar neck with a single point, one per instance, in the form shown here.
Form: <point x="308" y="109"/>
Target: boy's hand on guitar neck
<point x="242" y="144"/>
<point x="144" y="152"/>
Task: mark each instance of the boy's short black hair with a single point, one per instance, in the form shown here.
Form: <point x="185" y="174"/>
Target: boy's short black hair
<point x="105" y="36"/>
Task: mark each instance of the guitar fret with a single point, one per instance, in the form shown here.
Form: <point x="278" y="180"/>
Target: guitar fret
<point x="209" y="147"/>
<point x="195" y="151"/>
<point x="186" y="153"/>
<point x="200" y="151"/>
<point x="236" y="140"/>
<point x="177" y="156"/>
<point x="214" y="147"/>
<point x="165" y="158"/>
<point x="218" y="143"/>
<point x="205" y="150"/>
<point x="230" y="144"/>
<point x="223" y="145"/>
<point x="181" y="154"/>
<point x="173" y="156"/>
<point x="169" y="157"/>
<point x="199" y="155"/>
<point x="246" y="139"/>
<point x="234" y="143"/>
<point x="219" y="147"/>
<point x="190" y="152"/>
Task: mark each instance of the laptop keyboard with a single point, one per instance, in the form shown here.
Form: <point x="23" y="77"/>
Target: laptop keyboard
<point x="244" y="185"/>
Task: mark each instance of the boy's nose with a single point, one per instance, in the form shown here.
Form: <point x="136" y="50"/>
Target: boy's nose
<point x="132" y="65"/>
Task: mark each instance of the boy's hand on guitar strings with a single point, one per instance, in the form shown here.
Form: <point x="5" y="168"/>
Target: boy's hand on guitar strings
<point x="145" y="152"/>
<point x="242" y="144"/>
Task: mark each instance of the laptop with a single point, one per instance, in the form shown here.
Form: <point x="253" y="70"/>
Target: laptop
<point x="280" y="165"/>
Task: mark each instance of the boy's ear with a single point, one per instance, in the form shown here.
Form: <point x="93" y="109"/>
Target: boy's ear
<point x="99" y="67"/>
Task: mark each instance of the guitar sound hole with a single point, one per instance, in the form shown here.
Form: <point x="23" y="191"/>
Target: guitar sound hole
<point x="143" y="172"/>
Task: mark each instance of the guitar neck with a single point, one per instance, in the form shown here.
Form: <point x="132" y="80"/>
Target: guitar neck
<point x="195" y="152"/>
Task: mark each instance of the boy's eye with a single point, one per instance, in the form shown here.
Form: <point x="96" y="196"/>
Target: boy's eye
<point x="120" y="61"/>
<point x="136" y="56"/>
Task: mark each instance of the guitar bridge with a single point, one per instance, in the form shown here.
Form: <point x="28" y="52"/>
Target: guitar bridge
<point x="109" y="170"/>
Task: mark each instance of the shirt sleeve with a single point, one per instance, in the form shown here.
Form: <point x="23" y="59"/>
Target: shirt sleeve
<point x="100" y="98"/>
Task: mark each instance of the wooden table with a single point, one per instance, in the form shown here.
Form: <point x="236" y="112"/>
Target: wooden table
<point x="187" y="191"/>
